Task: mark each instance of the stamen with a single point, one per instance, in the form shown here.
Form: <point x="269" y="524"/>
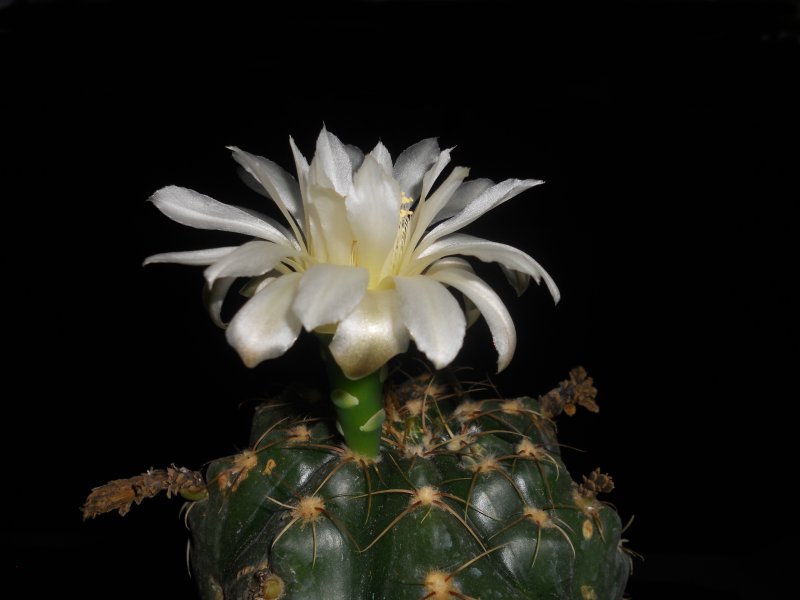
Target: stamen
<point x="402" y="232"/>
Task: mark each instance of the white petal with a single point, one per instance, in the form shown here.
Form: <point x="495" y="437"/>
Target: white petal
<point x="279" y="185"/>
<point x="301" y="165"/>
<point x="428" y="209"/>
<point x="330" y="235"/>
<point x="251" y="182"/>
<point x="471" y="312"/>
<point x="450" y="262"/>
<point x="197" y="258"/>
<point x="516" y="279"/>
<point x="489" y="199"/>
<point x="370" y="335"/>
<point x="255" y="284"/>
<point x="214" y="298"/>
<point x="382" y="156"/>
<point x="487" y="251"/>
<point x="412" y="164"/>
<point x="331" y="166"/>
<point x="433" y="317"/>
<point x="356" y="156"/>
<point x="191" y="208"/>
<point x="373" y="210"/>
<point x="433" y="173"/>
<point x="265" y="327"/>
<point x="464" y="195"/>
<point x="491" y="306"/>
<point x="249" y="260"/>
<point x="328" y="293"/>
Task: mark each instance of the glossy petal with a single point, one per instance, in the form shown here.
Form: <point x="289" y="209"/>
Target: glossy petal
<point x="433" y="317"/>
<point x="382" y="157"/>
<point x="373" y="210"/>
<point x="471" y="312"/>
<point x="301" y="166"/>
<point x="266" y="327"/>
<point x="489" y="199"/>
<point x="191" y="208"/>
<point x="491" y="307"/>
<point x="413" y="163"/>
<point x="467" y="245"/>
<point x="328" y="293"/>
<point x="462" y="197"/>
<point x="516" y="279"/>
<point x="370" y="335"/>
<point x="329" y="227"/>
<point x="432" y="174"/>
<point x="196" y="258"/>
<point x="249" y="260"/>
<point x="356" y="156"/>
<point x="214" y="297"/>
<point x="331" y="166"/>
<point x="278" y="184"/>
<point x="428" y="209"/>
<point x="256" y="284"/>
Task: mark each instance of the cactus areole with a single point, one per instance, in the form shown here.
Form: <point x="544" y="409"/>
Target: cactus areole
<point x="419" y="489"/>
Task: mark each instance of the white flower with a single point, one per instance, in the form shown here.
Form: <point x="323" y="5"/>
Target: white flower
<point x="370" y="247"/>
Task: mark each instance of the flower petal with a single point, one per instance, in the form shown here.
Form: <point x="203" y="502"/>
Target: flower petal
<point x="191" y="208"/>
<point x="330" y="235"/>
<point x="265" y="327"/>
<point x="301" y="166"/>
<point x="331" y="166"/>
<point x="433" y="317"/>
<point x="413" y="163"/>
<point x="382" y="156"/>
<point x="255" y="284"/>
<point x="249" y="260"/>
<point x="428" y="209"/>
<point x="214" y="296"/>
<point x="370" y="335"/>
<point x="356" y="156"/>
<point x="196" y="258"/>
<point x="373" y="210"/>
<point x="463" y="196"/>
<point x="433" y="173"/>
<point x="279" y="185"/>
<point x="487" y="251"/>
<point x="328" y="293"/>
<point x="471" y="312"/>
<point x="489" y="199"/>
<point x="491" y="306"/>
<point x="516" y="279"/>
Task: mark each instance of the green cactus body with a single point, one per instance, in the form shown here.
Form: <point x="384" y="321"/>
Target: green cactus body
<point x="469" y="499"/>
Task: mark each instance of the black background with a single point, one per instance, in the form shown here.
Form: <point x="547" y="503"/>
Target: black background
<point x="666" y="132"/>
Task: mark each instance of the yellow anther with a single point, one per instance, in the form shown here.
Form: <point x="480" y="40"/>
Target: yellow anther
<point x="354" y="252"/>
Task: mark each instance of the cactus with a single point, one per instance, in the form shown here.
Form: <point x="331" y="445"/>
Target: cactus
<point x="434" y="494"/>
<point x="469" y="499"/>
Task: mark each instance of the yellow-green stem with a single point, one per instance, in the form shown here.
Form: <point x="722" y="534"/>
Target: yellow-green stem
<point x="359" y="408"/>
